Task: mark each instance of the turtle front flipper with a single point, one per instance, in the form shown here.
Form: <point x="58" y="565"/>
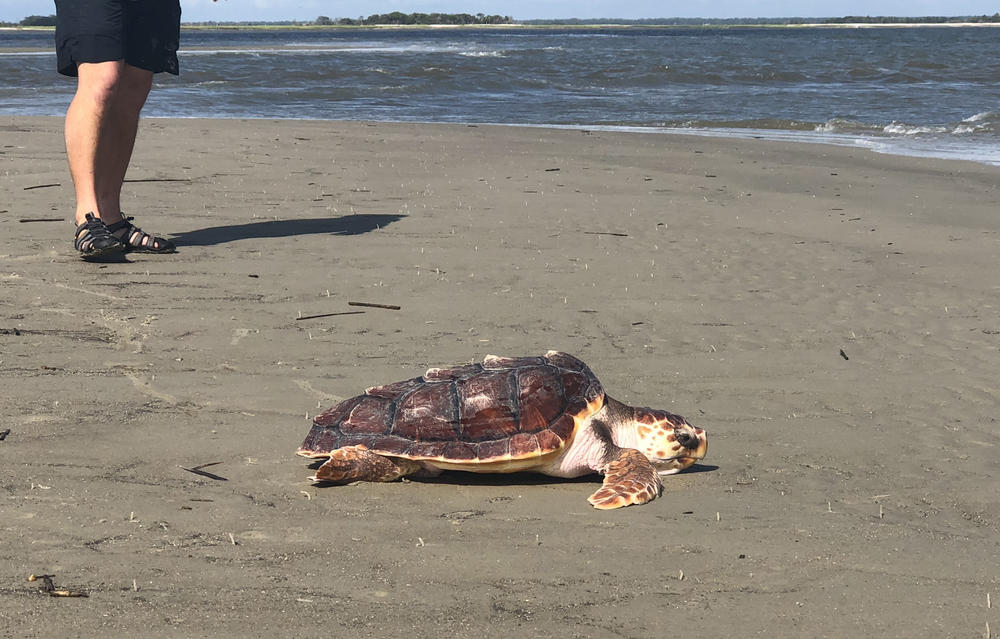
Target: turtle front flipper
<point x="629" y="479"/>
<point x="357" y="463"/>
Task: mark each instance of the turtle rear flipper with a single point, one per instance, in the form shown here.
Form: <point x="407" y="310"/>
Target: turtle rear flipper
<point x="628" y="479"/>
<point x="357" y="463"/>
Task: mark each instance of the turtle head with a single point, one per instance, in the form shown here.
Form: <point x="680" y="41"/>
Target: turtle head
<point x="668" y="440"/>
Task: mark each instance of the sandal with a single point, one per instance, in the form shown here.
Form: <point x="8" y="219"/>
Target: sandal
<point x="135" y="239"/>
<point x="96" y="243"/>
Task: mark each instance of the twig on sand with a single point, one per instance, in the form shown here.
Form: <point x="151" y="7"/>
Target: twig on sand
<point x="41" y="219"/>
<point x="197" y="470"/>
<point x="4" y="433"/>
<point x="305" y="317"/>
<point x="41" y="186"/>
<point x="49" y="588"/>
<point x="391" y="307"/>
<point x="605" y="233"/>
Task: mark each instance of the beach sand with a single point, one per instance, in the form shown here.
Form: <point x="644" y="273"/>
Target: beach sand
<point x="829" y="315"/>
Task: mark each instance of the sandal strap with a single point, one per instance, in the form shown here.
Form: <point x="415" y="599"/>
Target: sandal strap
<point x="93" y="236"/>
<point x="136" y="239"/>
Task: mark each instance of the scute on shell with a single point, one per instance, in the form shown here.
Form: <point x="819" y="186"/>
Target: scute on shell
<point x="503" y="409"/>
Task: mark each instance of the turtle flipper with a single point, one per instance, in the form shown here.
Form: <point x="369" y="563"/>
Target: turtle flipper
<point x="357" y="463"/>
<point x="628" y="479"/>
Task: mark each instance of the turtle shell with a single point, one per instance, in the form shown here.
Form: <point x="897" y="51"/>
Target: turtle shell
<point x="503" y="409"/>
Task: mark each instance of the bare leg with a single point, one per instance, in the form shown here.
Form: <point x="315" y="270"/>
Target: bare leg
<point x="101" y="125"/>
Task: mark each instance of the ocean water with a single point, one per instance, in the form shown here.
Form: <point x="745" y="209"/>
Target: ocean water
<point x="915" y="91"/>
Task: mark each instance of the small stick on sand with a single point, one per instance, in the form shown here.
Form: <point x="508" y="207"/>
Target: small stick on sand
<point x="197" y="470"/>
<point x="605" y="233"/>
<point x="305" y="317"/>
<point x="49" y="588"/>
<point x="41" y="186"/>
<point x="4" y="433"/>
<point x="391" y="307"/>
<point x="41" y="219"/>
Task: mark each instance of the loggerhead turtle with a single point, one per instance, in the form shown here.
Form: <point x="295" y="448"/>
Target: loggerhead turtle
<point x="544" y="414"/>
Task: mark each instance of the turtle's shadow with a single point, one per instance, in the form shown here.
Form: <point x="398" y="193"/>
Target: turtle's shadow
<point x="346" y="225"/>
<point x="459" y="478"/>
<point x="700" y="468"/>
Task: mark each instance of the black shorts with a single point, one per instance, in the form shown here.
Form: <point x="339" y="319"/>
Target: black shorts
<point x="143" y="33"/>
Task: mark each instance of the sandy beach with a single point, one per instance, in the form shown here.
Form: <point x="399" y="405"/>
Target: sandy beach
<point x="831" y="316"/>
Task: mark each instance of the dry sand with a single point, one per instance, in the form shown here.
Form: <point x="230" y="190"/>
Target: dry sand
<point x="831" y="316"/>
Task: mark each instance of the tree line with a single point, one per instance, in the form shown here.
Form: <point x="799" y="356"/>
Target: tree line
<point x="921" y="20"/>
<point x="698" y="22"/>
<point x="397" y="18"/>
<point x="32" y="21"/>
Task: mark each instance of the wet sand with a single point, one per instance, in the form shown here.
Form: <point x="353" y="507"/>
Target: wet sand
<point x="831" y="316"/>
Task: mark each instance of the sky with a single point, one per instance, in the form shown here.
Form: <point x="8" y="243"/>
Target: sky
<point x="253" y="10"/>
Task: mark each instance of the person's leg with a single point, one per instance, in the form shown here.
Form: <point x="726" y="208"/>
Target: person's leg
<point x="114" y="47"/>
<point x="133" y="89"/>
<point x="101" y="125"/>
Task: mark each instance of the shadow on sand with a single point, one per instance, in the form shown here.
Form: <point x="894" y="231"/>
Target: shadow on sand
<point x="528" y="478"/>
<point x="347" y="225"/>
<point x="459" y="478"/>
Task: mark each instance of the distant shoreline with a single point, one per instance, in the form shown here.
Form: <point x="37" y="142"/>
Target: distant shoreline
<point x="568" y="27"/>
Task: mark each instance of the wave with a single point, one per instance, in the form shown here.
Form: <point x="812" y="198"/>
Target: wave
<point x="942" y="147"/>
<point x="20" y="54"/>
<point x="985" y="122"/>
<point x="483" y="54"/>
<point x="294" y="49"/>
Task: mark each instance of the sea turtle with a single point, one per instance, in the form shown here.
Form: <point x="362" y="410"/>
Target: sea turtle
<point x="544" y="414"/>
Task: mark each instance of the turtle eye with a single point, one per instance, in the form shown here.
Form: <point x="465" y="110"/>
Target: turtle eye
<point x="686" y="439"/>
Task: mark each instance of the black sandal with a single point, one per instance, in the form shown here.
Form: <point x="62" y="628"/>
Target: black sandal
<point x="135" y="239"/>
<point x="95" y="242"/>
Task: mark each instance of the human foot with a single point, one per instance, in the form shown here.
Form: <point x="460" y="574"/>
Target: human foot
<point x="135" y="239"/>
<point x="95" y="241"/>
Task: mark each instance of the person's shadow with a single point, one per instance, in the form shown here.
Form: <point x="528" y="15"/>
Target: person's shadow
<point x="347" y="225"/>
